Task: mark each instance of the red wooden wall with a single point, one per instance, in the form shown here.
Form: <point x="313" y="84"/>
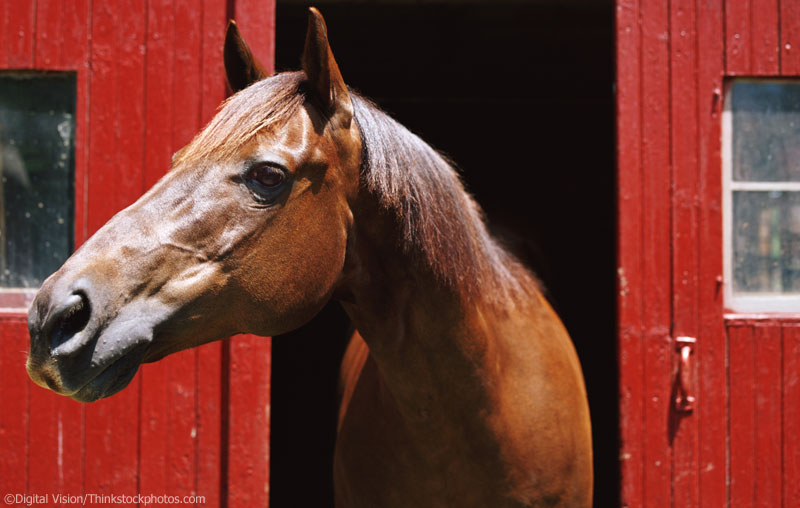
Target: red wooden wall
<point x="149" y="75"/>
<point x="738" y="446"/>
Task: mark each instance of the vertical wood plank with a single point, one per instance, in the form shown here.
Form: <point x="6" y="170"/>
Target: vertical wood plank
<point x="790" y="37"/>
<point x="737" y="37"/>
<point x="791" y="415"/>
<point x="768" y="387"/>
<point x="115" y="180"/>
<point x="764" y="37"/>
<point x="630" y="248"/>
<point x="74" y="54"/>
<point x="73" y="39"/>
<point x="248" y="425"/>
<point x="710" y="352"/>
<point x="158" y="90"/>
<point x="256" y="21"/>
<point x="209" y="358"/>
<point x="658" y="350"/>
<point x="208" y="474"/>
<point x="129" y="40"/>
<point x="102" y="141"/>
<point x="19" y="37"/>
<point x="4" y="34"/>
<point x="742" y="417"/>
<point x="213" y="79"/>
<point x="685" y="201"/>
<point x="48" y="34"/>
<point x="14" y="416"/>
<point x="56" y="443"/>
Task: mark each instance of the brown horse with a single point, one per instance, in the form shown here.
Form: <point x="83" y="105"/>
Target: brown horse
<point x="461" y="386"/>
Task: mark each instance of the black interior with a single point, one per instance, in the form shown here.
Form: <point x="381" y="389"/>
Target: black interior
<point x="521" y="97"/>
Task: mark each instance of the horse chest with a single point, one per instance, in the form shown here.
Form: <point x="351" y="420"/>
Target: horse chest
<point x="382" y="460"/>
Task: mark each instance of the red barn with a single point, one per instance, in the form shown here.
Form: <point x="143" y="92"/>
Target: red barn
<point x="671" y="249"/>
<point x="125" y="84"/>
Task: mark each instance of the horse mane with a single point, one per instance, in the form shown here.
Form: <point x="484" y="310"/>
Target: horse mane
<point x="439" y="222"/>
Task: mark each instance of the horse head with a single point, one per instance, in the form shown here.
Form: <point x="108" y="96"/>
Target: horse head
<point x="247" y="233"/>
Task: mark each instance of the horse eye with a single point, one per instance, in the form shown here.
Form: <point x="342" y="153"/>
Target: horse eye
<point x="266" y="176"/>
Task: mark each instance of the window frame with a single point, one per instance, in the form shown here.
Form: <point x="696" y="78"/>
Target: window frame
<point x="746" y="302"/>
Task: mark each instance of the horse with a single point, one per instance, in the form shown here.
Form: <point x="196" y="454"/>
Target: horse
<point x="460" y="385"/>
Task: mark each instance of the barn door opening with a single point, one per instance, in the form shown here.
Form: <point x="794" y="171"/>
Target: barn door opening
<point x="520" y="95"/>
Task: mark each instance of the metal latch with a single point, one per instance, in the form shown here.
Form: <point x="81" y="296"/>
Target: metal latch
<point x="684" y="398"/>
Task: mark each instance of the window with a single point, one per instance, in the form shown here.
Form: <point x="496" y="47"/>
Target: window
<point x="761" y="183"/>
<point x="37" y="126"/>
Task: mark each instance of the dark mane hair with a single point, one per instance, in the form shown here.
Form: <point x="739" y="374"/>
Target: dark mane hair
<point x="439" y="222"/>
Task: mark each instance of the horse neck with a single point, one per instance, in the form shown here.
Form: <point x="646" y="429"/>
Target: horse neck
<point x="436" y="348"/>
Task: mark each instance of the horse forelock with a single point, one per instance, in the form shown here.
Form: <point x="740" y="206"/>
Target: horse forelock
<point x="268" y="103"/>
<point x="439" y="221"/>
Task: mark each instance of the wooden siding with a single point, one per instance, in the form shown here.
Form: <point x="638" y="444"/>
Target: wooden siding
<point x="149" y="75"/>
<point x="734" y="448"/>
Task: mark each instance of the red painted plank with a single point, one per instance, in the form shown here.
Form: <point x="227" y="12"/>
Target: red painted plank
<point x="20" y="28"/>
<point x="685" y="200"/>
<point x="213" y="79"/>
<point x="791" y="415"/>
<point x="790" y="37"/>
<point x="764" y="38"/>
<point x="158" y="90"/>
<point x="738" y="59"/>
<point x="48" y="34"/>
<point x="209" y="422"/>
<point x="186" y="73"/>
<point x="74" y="50"/>
<point x="248" y="425"/>
<point x="14" y="417"/>
<point x="153" y="433"/>
<point x="181" y="430"/>
<point x="710" y="352"/>
<point x="629" y="248"/>
<point x="102" y="140"/>
<point x="4" y="34"/>
<point x="74" y="36"/>
<point x="55" y="443"/>
<point x="128" y="100"/>
<point x="658" y="351"/>
<point x="768" y="388"/>
<point x="256" y="20"/>
<point x="742" y="417"/>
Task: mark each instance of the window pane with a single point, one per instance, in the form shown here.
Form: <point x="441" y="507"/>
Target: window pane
<point x="37" y="126"/>
<point x="766" y="247"/>
<point x="766" y="131"/>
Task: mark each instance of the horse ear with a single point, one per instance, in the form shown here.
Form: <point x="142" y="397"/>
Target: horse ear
<point x="322" y="72"/>
<point x="241" y="67"/>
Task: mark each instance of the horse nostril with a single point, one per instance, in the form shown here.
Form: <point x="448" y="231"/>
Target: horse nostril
<point x="70" y="321"/>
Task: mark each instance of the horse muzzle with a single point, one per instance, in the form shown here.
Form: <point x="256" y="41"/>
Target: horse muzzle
<point x="79" y="345"/>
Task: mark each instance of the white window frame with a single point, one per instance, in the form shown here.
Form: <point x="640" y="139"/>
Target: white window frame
<point x="750" y="302"/>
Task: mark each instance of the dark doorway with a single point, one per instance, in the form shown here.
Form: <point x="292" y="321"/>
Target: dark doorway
<point x="520" y="96"/>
